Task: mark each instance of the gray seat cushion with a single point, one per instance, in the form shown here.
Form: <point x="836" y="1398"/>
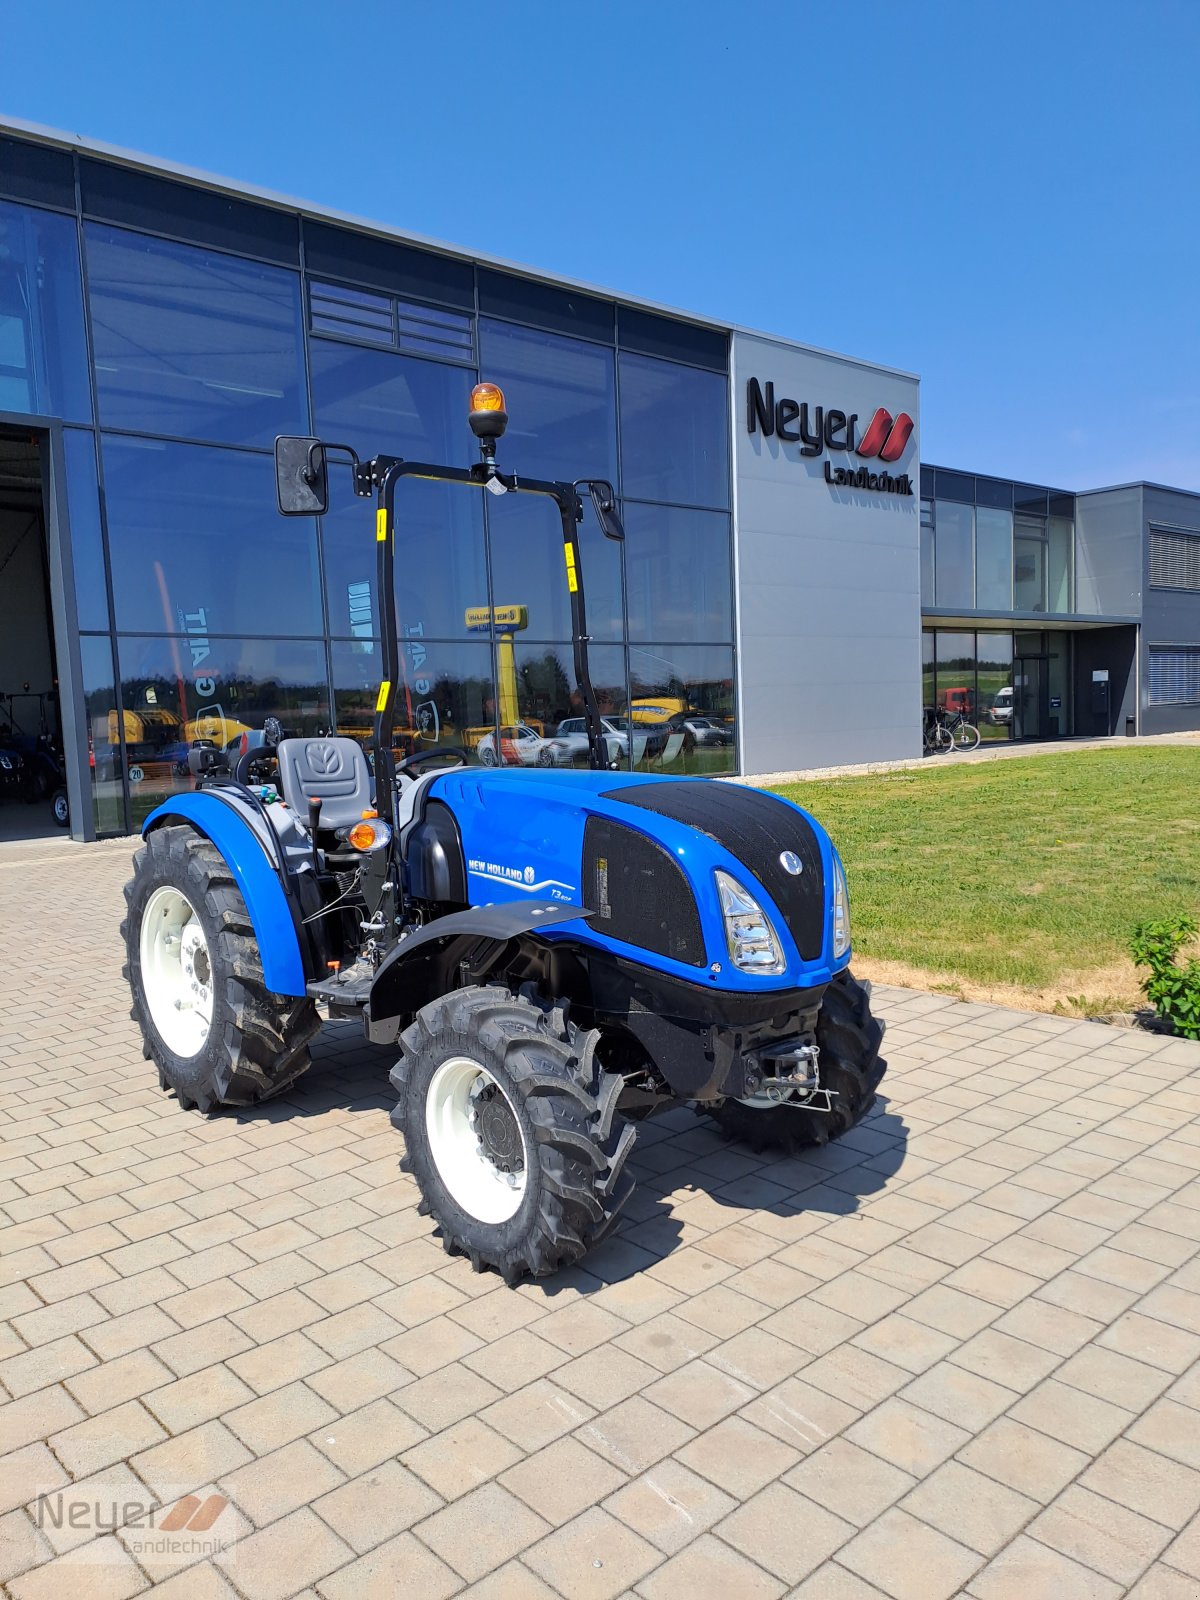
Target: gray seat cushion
<point x="332" y="770"/>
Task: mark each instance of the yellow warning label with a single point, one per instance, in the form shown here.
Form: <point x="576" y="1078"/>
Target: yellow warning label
<point x="385" y="690"/>
<point x="572" y="575"/>
<point x="380" y="525"/>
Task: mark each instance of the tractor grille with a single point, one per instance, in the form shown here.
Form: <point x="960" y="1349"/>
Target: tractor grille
<point x="756" y="828"/>
<point x="639" y="893"/>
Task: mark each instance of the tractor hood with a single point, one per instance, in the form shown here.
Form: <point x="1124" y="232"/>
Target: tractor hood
<point x="640" y="854"/>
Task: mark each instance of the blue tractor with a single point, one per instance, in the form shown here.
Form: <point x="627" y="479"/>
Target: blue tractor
<point x="556" y="955"/>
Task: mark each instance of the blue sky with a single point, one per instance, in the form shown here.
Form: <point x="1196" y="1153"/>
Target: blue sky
<point x="1003" y="197"/>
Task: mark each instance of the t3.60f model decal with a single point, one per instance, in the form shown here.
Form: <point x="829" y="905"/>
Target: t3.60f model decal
<point x="820" y="428"/>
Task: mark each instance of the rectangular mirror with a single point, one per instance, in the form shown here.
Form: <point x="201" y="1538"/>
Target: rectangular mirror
<point x="605" y="502"/>
<point x="301" y="476"/>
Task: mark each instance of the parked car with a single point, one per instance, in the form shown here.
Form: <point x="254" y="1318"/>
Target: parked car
<point x="1001" y="708"/>
<point x="520" y="746"/>
<point x="569" y="744"/>
<point x="704" y="731"/>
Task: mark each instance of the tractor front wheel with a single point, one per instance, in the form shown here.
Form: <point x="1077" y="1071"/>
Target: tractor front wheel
<point x="216" y="1033"/>
<point x="511" y="1130"/>
<point x="848" y="1037"/>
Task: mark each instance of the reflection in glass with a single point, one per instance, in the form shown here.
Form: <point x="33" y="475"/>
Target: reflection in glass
<point x="103" y="734"/>
<point x="994" y="653"/>
<point x="682" y="708"/>
<point x="43" y="355"/>
<point x="175" y="695"/>
<point x="387" y="404"/>
<point x="956" y="670"/>
<point x="194" y="343"/>
<point x="677" y="569"/>
<point x="528" y="570"/>
<point x="197" y="546"/>
<point x="674" y="433"/>
<point x="1029" y="564"/>
<point x="446" y="696"/>
<point x="927" y="541"/>
<point x="561" y="402"/>
<point x="954" y="582"/>
<point x="927" y="650"/>
<point x="993" y="559"/>
<point x="441" y="570"/>
<point x="87" y="547"/>
<point x="548" y="728"/>
<point x="1060" y="540"/>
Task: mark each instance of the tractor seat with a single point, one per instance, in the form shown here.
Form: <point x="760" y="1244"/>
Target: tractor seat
<point x="332" y="770"/>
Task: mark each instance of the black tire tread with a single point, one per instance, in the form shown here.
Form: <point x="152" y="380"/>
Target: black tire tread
<point x="264" y="1037"/>
<point x="580" y="1144"/>
<point x="849" y="1037"/>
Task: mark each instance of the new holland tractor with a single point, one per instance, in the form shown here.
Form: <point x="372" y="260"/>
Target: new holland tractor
<point x="556" y="954"/>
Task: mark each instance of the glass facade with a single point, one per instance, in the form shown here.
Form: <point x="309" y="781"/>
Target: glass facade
<point x="1011" y="685"/>
<point x="991" y="545"/>
<point x="178" y="332"/>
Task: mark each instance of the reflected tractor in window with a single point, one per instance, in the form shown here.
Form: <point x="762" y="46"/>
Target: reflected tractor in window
<point x="556" y="954"/>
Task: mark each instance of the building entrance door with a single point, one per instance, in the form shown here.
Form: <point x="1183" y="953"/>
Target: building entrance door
<point x="1030" y="694"/>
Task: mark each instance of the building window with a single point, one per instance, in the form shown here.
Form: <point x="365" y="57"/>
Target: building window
<point x="677" y="565"/>
<point x="927" y="562"/>
<point x="954" y="555"/>
<point x="993" y="559"/>
<point x="1029" y="564"/>
<point x="43" y="355"/>
<point x="1174" y="675"/>
<point x="1060" y="553"/>
<point x="196" y="547"/>
<point x="674" y="432"/>
<point x="192" y="343"/>
<point x="1174" y="559"/>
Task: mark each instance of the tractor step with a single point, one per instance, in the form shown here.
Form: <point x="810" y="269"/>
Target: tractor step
<point x="345" y="993"/>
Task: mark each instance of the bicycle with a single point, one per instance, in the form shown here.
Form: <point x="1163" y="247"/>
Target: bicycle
<point x="935" y="736"/>
<point x="961" y="734"/>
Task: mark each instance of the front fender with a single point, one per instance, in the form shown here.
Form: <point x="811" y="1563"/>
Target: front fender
<point x="421" y="966"/>
<point x="256" y="875"/>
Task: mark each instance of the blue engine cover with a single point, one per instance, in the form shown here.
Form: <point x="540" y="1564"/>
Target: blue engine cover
<point x="525" y="835"/>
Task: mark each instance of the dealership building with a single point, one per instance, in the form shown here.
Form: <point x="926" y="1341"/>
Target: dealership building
<point x="795" y="586"/>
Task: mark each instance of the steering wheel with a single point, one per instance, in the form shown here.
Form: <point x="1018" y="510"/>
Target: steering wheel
<point x="257" y="755"/>
<point x="459" y="758"/>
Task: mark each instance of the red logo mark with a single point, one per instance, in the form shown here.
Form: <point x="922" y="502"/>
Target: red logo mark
<point x="194" y="1514"/>
<point x="886" y="437"/>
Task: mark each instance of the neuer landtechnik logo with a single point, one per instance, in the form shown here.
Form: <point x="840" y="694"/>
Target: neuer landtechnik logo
<point x="826" y="428"/>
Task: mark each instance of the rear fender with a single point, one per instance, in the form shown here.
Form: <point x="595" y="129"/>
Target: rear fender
<point x="255" y="866"/>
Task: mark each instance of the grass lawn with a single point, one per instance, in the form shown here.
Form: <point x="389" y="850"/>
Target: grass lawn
<point x="1016" y="880"/>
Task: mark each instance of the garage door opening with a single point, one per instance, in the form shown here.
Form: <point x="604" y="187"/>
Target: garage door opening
<point x="32" y="783"/>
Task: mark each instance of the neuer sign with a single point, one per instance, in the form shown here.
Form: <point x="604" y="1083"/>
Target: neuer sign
<point x="885" y="438"/>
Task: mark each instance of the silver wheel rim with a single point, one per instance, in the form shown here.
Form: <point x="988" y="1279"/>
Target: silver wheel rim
<point x="176" y="970"/>
<point x="454" y="1106"/>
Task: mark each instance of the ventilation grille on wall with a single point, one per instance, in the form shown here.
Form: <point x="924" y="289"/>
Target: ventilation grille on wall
<point x="1175" y="675"/>
<point x="1174" y="560"/>
<point x="381" y="319"/>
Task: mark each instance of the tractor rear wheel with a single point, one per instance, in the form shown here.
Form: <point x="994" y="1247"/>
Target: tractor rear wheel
<point x="850" y="1066"/>
<point x="511" y="1130"/>
<point x="216" y="1033"/>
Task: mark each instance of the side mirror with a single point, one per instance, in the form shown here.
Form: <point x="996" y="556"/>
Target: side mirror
<point x="605" y="502"/>
<point x="301" y="477"/>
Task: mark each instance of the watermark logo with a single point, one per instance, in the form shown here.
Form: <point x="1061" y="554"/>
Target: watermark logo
<point x="179" y="1527"/>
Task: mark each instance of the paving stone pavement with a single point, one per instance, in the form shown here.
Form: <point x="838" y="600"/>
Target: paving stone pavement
<point x="953" y="1354"/>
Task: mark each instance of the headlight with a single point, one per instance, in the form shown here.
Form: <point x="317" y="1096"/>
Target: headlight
<point x="749" y="935"/>
<point x="841" y="911"/>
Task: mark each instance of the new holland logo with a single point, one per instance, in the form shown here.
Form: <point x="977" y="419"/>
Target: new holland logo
<point x="818" y="428"/>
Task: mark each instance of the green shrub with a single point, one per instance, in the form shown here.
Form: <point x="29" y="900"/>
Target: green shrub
<point x="1173" y="987"/>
